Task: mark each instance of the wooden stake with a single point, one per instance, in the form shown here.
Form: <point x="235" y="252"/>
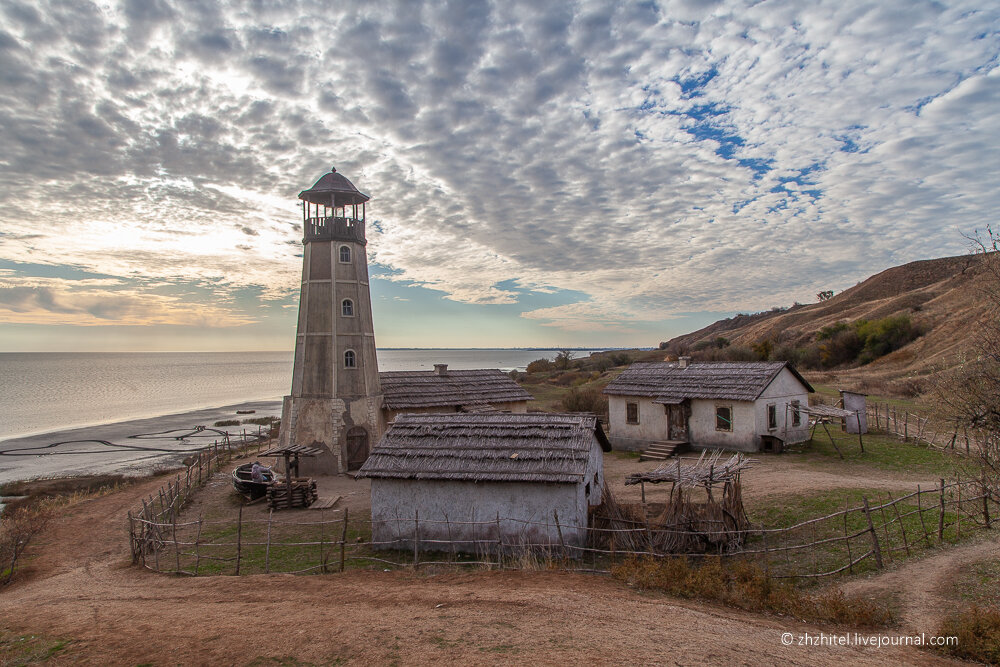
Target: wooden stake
<point x="920" y="513"/>
<point x="847" y="541"/>
<point x="885" y="528"/>
<point x="941" y="515"/>
<point x="177" y="547"/>
<point x="343" y="540"/>
<point x="902" y="528"/>
<point x="197" y="551"/>
<point x="562" y="543"/>
<point x="499" y="544"/>
<point x="416" y="539"/>
<point x="239" y="539"/>
<point x="267" y="544"/>
<point x="871" y="529"/>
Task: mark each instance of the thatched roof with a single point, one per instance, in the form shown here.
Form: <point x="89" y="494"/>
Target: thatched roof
<point x="487" y="447"/>
<point x="667" y="382"/>
<point x="706" y="471"/>
<point x="428" y="389"/>
<point x="333" y="185"/>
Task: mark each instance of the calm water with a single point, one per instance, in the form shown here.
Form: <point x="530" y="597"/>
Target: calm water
<point x="41" y="392"/>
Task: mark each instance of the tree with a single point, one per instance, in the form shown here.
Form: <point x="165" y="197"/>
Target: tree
<point x="971" y="390"/>
<point x="825" y="295"/>
<point x="563" y="357"/>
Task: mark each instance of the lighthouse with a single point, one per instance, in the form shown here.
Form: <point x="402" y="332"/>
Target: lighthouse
<point x="336" y="401"/>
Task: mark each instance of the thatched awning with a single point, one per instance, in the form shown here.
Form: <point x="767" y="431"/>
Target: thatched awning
<point x="669" y="383"/>
<point x="429" y="389"/>
<point x="826" y="411"/>
<point x="487" y="448"/>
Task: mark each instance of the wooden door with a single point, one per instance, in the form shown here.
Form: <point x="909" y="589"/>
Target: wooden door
<point x="357" y="447"/>
<point x="677" y="423"/>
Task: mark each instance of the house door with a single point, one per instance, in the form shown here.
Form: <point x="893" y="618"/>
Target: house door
<point x="357" y="447"/>
<point x="677" y="423"/>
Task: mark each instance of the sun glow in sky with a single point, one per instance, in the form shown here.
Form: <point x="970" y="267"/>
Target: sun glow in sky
<point x="542" y="174"/>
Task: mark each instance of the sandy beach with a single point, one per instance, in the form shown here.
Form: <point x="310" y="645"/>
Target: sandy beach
<point x="131" y="448"/>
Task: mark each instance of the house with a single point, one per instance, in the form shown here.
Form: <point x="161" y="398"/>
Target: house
<point x="470" y="480"/>
<point x="442" y="390"/>
<point x="748" y="407"/>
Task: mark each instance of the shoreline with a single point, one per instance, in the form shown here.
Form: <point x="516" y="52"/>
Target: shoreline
<point x="131" y="448"/>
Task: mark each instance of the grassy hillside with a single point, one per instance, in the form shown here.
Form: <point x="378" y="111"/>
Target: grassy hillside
<point x="939" y="300"/>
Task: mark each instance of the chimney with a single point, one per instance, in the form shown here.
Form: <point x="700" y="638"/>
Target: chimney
<point x="682" y="362"/>
<point x="440" y="369"/>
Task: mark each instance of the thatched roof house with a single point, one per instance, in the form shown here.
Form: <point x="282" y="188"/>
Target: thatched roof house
<point x="443" y="390"/>
<point x="745" y="406"/>
<point x="456" y="471"/>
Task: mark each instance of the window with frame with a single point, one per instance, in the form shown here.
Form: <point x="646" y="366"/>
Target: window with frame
<point x="631" y="413"/>
<point x="723" y="418"/>
<point x="347" y="308"/>
<point x="772" y="416"/>
<point x="796" y="414"/>
<point x="345" y="254"/>
<point x="349" y="359"/>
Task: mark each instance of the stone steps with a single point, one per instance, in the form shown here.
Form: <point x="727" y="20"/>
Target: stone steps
<point x="661" y="451"/>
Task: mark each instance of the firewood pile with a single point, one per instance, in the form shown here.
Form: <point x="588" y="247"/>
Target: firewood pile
<point x="303" y="494"/>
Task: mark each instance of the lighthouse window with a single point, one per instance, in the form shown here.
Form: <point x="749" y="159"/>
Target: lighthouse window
<point x="349" y="361"/>
<point x="345" y="254"/>
<point x="347" y="308"/>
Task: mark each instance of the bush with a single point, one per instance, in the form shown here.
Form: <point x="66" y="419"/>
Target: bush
<point x="744" y="585"/>
<point x="978" y="633"/>
<point x="227" y="422"/>
<point x="540" y="366"/>
<point x="585" y="400"/>
<point x="17" y="529"/>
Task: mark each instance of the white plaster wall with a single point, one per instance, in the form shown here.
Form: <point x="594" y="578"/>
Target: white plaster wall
<point x="783" y="389"/>
<point x="652" y="426"/>
<point x="702" y="430"/>
<point x="396" y="502"/>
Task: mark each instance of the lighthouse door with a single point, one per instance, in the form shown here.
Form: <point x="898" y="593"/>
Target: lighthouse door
<point x="357" y="447"/>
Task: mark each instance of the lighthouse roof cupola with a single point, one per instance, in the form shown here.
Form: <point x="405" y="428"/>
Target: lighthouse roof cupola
<point x="333" y="210"/>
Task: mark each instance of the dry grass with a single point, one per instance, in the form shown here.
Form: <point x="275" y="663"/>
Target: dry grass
<point x="978" y="632"/>
<point x="746" y="586"/>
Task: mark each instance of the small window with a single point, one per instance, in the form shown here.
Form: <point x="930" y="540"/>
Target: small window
<point x="772" y="417"/>
<point x="345" y="254"/>
<point x="349" y="361"/>
<point x="347" y="308"/>
<point x="796" y="414"/>
<point x="723" y="418"/>
<point x="632" y="413"/>
<point x="586" y="490"/>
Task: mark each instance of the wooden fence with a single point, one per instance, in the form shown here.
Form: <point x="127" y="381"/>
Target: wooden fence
<point x="944" y="434"/>
<point x="856" y="539"/>
<point x="162" y="509"/>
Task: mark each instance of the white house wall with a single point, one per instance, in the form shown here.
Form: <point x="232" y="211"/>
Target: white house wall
<point x="701" y="426"/>
<point x="783" y="389"/>
<point x="652" y="426"/>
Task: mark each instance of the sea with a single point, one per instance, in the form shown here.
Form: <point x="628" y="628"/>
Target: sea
<point x="52" y="391"/>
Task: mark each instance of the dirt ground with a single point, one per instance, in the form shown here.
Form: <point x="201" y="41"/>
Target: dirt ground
<point x="81" y="587"/>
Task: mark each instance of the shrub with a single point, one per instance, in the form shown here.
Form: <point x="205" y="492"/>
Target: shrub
<point x="227" y="422"/>
<point x="745" y="585"/>
<point x="978" y="633"/>
<point x="17" y="529"/>
<point x="540" y="366"/>
<point x="586" y="399"/>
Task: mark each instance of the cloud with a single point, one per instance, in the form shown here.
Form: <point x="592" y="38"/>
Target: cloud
<point x="681" y="157"/>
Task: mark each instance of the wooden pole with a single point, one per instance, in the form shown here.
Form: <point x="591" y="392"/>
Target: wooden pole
<point x="267" y="544"/>
<point x="197" y="551"/>
<point x="958" y="511"/>
<point x="499" y="544"/>
<point x="941" y="515"/>
<point x="562" y="542"/>
<point x="239" y="539"/>
<point x="343" y="539"/>
<point x="288" y="480"/>
<point x="416" y="539"/>
<point x="847" y="541"/>
<point x="871" y="529"/>
<point x="920" y="513"/>
<point x="451" y="542"/>
<point x="899" y="520"/>
<point x="885" y="528"/>
<point x="177" y="547"/>
<point x="906" y="425"/>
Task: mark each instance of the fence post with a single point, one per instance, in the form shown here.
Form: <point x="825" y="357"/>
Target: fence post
<point x="177" y="547"/>
<point x="906" y="426"/>
<point x="941" y="515"/>
<point x="562" y="543"/>
<point x="343" y="540"/>
<point x="902" y="528"/>
<point x="239" y="539"/>
<point x="131" y="537"/>
<point x="871" y="529"/>
<point x="920" y="513"/>
<point x="416" y="538"/>
<point x="267" y="544"/>
<point x="499" y="544"/>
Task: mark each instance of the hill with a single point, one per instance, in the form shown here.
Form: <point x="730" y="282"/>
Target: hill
<point x="941" y="298"/>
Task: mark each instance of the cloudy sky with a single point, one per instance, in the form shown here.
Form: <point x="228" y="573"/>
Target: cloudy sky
<point x="541" y="173"/>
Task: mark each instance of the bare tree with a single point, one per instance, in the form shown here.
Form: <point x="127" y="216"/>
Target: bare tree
<point x="971" y="390"/>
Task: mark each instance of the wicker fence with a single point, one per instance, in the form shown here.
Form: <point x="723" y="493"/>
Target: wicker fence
<point x="857" y="539"/>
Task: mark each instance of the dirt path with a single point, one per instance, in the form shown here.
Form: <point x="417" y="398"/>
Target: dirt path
<point x="921" y="585"/>
<point x="81" y="587"/>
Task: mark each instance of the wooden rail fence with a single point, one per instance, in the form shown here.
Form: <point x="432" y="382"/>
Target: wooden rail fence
<point x="940" y="434"/>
